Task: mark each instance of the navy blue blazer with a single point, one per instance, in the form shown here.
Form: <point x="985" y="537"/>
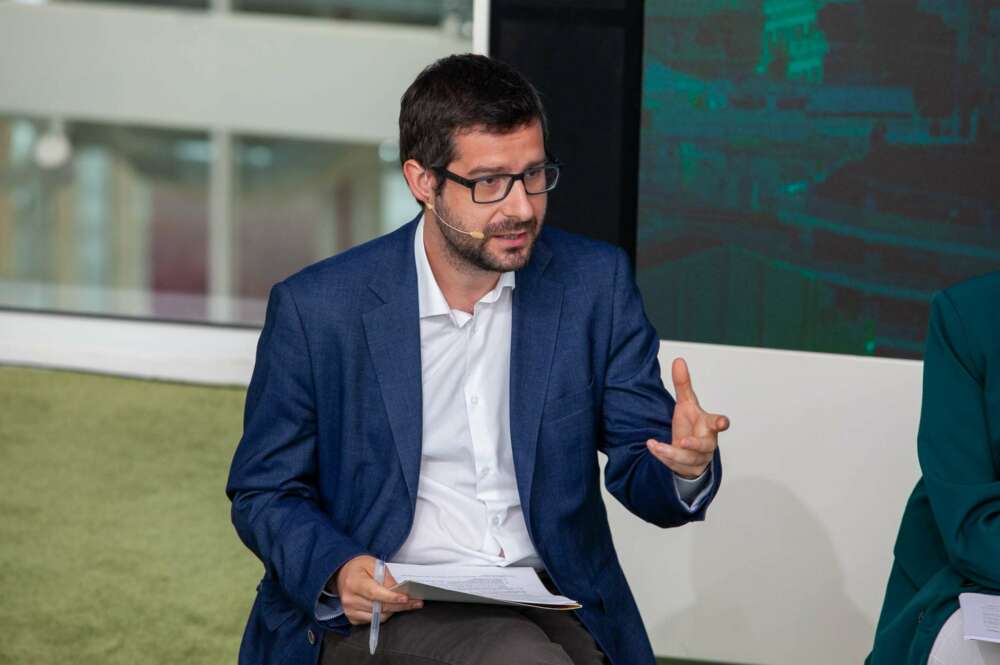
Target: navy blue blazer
<point x="328" y="464"/>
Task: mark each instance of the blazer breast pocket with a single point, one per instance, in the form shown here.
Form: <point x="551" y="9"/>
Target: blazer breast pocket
<point x="567" y="405"/>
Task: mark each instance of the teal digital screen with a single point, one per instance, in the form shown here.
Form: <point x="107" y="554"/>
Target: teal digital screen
<point x="812" y="172"/>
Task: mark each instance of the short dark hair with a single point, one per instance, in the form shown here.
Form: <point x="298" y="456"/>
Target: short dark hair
<point x="462" y="92"/>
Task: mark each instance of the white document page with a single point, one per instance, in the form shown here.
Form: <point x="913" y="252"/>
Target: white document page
<point x="981" y="616"/>
<point x="477" y="584"/>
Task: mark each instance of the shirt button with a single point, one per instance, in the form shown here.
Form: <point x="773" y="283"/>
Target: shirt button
<point x="485" y="472"/>
<point x="474" y="399"/>
<point x="496" y="520"/>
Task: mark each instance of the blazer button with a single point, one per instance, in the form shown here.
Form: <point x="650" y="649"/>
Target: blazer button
<point x="920" y="617"/>
<point x="311" y="636"/>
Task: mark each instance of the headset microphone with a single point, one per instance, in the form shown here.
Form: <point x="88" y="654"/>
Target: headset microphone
<point x="478" y="235"/>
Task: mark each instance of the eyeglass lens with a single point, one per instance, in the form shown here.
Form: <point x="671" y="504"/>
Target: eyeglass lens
<point x="495" y="188"/>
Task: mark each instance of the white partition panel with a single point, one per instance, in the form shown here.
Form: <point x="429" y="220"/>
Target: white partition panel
<point x="791" y="563"/>
<point x="141" y="349"/>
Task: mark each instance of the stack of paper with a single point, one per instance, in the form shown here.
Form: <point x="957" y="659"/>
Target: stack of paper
<point x="981" y="616"/>
<point x="477" y="584"/>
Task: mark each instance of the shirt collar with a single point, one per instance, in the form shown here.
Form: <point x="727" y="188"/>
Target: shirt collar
<point x="431" y="301"/>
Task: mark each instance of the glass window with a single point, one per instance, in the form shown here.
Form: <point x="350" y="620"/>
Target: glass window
<point x="297" y="202"/>
<point x="116" y="220"/>
<point x="196" y="224"/>
<point x="103" y="219"/>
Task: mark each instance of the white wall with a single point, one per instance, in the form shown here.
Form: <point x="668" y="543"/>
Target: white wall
<point x="790" y="565"/>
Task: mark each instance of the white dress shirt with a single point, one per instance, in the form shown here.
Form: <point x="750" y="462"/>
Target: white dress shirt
<point x="468" y="509"/>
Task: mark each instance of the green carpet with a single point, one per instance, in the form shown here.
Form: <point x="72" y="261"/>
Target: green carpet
<point x="115" y="540"/>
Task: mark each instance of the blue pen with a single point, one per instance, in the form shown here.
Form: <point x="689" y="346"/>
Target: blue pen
<point x="376" y="608"/>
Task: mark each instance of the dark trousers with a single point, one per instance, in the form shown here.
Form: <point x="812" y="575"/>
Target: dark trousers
<point x="469" y="634"/>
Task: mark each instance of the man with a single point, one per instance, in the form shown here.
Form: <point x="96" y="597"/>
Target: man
<point x="439" y="395"/>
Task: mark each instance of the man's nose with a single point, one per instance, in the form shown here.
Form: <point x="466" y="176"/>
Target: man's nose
<point x="517" y="205"/>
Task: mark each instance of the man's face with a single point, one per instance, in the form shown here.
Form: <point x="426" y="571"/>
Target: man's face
<point x="510" y="226"/>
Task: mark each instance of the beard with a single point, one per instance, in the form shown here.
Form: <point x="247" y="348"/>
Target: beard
<point x="466" y="251"/>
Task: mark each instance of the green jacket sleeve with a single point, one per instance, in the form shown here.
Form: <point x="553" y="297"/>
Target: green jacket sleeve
<point x="954" y="441"/>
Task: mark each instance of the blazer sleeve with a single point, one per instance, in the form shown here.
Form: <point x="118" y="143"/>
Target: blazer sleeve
<point x="637" y="407"/>
<point x="953" y="444"/>
<point x="272" y="482"/>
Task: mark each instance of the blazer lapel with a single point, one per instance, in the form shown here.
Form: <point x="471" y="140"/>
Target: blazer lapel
<point x="392" y="330"/>
<point x="537" y="306"/>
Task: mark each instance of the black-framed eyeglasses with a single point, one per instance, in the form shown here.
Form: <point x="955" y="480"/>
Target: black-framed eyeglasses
<point x="496" y="186"/>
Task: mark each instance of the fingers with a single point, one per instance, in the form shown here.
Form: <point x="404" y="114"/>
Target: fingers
<point x="710" y="424"/>
<point x="358" y="618"/>
<point x="688" y="457"/>
<point x="372" y="590"/>
<point x="691" y="451"/>
<point x="365" y="618"/>
<point x="359" y="590"/>
<point x="699" y="445"/>
<point x="683" y="390"/>
<point x="717" y="423"/>
<point x="403" y="602"/>
<point x="360" y="612"/>
<point x="392" y="608"/>
<point x="363" y="605"/>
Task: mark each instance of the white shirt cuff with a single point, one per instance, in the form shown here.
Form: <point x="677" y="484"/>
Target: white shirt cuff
<point x="692" y="492"/>
<point x="328" y="606"/>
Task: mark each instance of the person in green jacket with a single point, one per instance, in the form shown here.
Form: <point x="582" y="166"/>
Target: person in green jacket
<point x="949" y="539"/>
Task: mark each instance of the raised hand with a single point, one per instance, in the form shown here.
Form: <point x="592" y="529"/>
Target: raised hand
<point x="695" y="431"/>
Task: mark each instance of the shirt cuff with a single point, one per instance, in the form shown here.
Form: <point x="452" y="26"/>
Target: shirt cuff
<point x="328" y="606"/>
<point x="692" y="492"/>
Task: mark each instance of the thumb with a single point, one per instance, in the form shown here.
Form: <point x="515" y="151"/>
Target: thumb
<point x="390" y="581"/>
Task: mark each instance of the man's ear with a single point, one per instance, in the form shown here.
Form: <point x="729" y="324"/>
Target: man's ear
<point x="422" y="181"/>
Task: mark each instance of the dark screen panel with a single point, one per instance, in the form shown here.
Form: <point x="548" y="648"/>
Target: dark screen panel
<point x="585" y="59"/>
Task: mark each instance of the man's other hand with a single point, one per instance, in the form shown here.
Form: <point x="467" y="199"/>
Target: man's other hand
<point x="355" y="584"/>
